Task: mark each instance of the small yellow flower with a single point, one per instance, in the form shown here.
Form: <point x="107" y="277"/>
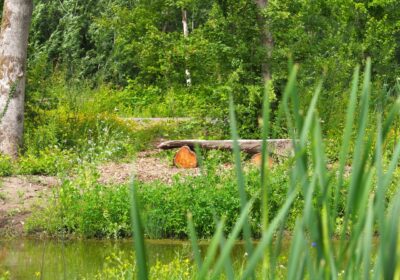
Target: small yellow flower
<point x="37" y="274"/>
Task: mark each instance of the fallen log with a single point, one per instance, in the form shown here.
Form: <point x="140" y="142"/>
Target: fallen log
<point x="279" y="147"/>
<point x="156" y="120"/>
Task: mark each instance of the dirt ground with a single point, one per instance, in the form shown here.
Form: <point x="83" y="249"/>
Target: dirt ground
<point x="146" y="168"/>
<point x="18" y="194"/>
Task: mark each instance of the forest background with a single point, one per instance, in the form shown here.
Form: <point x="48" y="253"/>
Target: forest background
<point x="89" y="60"/>
<point x="135" y="54"/>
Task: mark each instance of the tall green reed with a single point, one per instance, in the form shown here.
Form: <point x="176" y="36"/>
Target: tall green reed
<point x="316" y="249"/>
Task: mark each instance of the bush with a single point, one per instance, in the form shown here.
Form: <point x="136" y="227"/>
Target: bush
<point x="78" y="124"/>
<point x="6" y="166"/>
<point x="86" y="208"/>
<point x="49" y="161"/>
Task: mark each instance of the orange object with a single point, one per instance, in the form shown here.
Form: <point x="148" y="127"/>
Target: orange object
<point x="257" y="160"/>
<point x="185" y="158"/>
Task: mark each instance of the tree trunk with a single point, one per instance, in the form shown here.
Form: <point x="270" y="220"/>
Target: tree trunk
<point x="266" y="39"/>
<point x="14" y="33"/>
<point x="186" y="35"/>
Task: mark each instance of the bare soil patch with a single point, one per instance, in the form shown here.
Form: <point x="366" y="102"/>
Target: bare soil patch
<point x="17" y="196"/>
<point x="146" y="168"/>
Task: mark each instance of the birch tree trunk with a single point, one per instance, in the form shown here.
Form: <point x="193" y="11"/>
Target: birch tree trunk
<point x="186" y="35"/>
<point x="266" y="39"/>
<point x="14" y="33"/>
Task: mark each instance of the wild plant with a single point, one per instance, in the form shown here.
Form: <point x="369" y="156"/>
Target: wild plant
<point x="367" y="243"/>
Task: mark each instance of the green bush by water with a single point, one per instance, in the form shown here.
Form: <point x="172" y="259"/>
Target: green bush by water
<point x="85" y="208"/>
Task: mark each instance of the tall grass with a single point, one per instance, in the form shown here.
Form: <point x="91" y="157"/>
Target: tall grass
<point x="316" y="250"/>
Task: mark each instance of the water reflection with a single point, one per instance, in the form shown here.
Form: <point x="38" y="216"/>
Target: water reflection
<point x="55" y="259"/>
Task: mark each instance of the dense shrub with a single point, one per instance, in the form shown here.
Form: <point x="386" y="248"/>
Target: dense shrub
<point x="70" y="123"/>
<point x="49" y="161"/>
<point x="86" y="208"/>
<point x="6" y="166"/>
<point x="139" y="49"/>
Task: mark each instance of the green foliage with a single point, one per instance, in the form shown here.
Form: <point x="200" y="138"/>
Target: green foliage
<point x="123" y="267"/>
<point x="139" y="49"/>
<point x="318" y="205"/>
<point x="6" y="165"/>
<point x="86" y="208"/>
<point x="49" y="161"/>
<point x="70" y="123"/>
<point x="366" y="212"/>
<point x="140" y="46"/>
<point x="331" y="37"/>
<point x="5" y="275"/>
<point x="206" y="202"/>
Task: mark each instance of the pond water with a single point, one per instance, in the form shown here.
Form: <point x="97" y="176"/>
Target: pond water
<point x="23" y="258"/>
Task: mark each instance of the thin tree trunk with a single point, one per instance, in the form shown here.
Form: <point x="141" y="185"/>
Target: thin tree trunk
<point x="266" y="39"/>
<point x="186" y="35"/>
<point x="14" y="33"/>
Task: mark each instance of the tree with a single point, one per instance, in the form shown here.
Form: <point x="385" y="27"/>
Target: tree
<point x="186" y="35"/>
<point x="266" y="38"/>
<point x="14" y="33"/>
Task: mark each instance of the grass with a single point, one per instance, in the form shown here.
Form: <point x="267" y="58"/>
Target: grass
<point x="68" y="124"/>
<point x="85" y="208"/>
<point x="59" y="140"/>
<point x="3" y="196"/>
<point x="366" y="213"/>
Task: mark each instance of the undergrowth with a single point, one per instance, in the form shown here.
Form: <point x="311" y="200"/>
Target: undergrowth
<point x="363" y="200"/>
<point x="70" y="123"/>
<point x="82" y="207"/>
